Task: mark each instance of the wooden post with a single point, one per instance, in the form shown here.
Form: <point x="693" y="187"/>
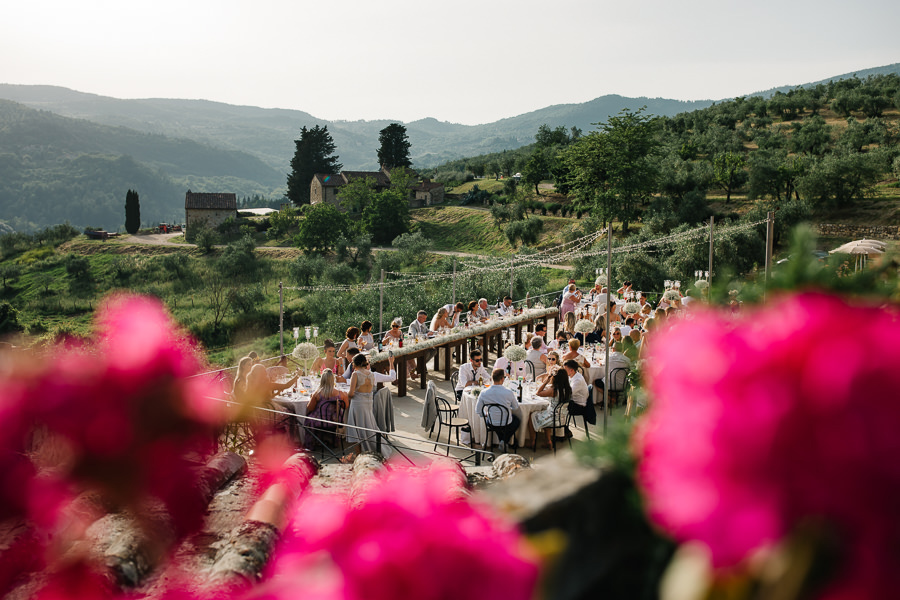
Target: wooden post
<point x="711" y="220"/>
<point x="281" y="317"/>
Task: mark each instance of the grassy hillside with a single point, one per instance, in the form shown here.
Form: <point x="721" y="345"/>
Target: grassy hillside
<point x="468" y="229"/>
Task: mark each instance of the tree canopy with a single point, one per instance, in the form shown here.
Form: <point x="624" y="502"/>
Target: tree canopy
<point x="394" y="150"/>
<point x="314" y="154"/>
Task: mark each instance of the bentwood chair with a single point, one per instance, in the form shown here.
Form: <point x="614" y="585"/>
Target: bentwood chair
<point x="445" y="418"/>
<point x="559" y="423"/>
<point x="529" y="371"/>
<point x="496" y="413"/>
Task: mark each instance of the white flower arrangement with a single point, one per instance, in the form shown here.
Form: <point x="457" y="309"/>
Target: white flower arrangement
<point x="584" y="326"/>
<point x="305" y="353"/>
<point x="701" y="284"/>
<point x="733" y="293"/>
<point x="671" y="296"/>
<point x="632" y="308"/>
<point x="601" y="280"/>
<point x="515" y="353"/>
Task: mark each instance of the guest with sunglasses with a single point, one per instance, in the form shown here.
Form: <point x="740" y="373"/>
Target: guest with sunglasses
<point x="553" y="365"/>
<point x="470" y="372"/>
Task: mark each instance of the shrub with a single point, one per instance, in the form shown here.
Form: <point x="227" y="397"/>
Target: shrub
<point x="204" y="237"/>
<point x="412" y="247"/>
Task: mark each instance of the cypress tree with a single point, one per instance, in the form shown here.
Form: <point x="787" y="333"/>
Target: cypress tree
<point x="132" y="212"/>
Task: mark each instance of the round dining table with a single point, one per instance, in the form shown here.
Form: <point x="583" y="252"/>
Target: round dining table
<point x="478" y="435"/>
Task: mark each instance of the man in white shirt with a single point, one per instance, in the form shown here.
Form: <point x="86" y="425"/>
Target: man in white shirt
<point x="617" y="360"/>
<point x="470" y="372"/>
<point x="497" y="394"/>
<point x="505" y="307"/>
<point x="577" y="383"/>
<point x="453" y="313"/>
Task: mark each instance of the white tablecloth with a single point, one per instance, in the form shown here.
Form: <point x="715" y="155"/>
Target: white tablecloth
<point x="528" y="405"/>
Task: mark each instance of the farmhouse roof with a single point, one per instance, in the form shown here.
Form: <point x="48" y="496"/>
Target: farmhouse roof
<point x="330" y="179"/>
<point x="380" y="177"/>
<point x="427" y="186"/>
<point x="210" y="201"/>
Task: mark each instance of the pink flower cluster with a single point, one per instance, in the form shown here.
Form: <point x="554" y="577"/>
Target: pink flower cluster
<point x="120" y="415"/>
<point x="789" y="415"/>
<point x="413" y="537"/>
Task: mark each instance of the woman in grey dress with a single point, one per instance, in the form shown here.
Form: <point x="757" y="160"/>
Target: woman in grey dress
<point x="361" y="412"/>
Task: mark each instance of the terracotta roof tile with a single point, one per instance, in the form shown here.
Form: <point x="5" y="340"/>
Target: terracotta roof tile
<point x="210" y="201"/>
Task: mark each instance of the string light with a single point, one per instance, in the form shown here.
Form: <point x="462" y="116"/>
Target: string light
<point x="531" y="260"/>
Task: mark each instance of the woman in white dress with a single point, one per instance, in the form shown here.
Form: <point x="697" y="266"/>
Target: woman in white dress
<point x="361" y="412"/>
<point x="350" y="342"/>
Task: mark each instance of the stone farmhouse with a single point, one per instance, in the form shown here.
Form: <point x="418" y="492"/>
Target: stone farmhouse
<point x="325" y="187"/>
<point x="208" y="209"/>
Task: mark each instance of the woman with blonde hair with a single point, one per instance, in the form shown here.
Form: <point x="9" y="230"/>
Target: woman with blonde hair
<point x="327" y="404"/>
<point x="569" y="320"/>
<point x="573" y="354"/>
<point x="440" y="321"/>
<point x="240" y="377"/>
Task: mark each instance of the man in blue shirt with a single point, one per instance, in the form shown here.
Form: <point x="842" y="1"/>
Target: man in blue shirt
<point x="497" y="394"/>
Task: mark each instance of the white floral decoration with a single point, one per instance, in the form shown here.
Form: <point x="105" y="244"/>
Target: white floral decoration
<point x="671" y="296"/>
<point x="584" y="326"/>
<point x="632" y="308"/>
<point x="701" y="284"/>
<point x="305" y="351"/>
<point x="601" y="280"/>
<point x="514" y="353"/>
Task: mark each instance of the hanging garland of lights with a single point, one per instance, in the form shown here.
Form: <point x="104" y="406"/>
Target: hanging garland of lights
<point x="529" y="260"/>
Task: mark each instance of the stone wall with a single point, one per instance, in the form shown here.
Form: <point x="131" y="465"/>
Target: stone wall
<point x="876" y="232"/>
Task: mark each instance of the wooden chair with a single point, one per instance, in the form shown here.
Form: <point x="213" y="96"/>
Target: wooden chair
<point x="445" y="412"/>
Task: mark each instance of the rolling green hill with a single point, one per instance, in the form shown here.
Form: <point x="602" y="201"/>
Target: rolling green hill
<point x="54" y="169"/>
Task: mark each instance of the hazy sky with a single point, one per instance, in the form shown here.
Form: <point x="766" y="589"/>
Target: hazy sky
<point x="469" y="61"/>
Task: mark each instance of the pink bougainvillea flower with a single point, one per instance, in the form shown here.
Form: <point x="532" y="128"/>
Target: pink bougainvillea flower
<point x="788" y="414"/>
<point x="133" y="419"/>
<point x="407" y="540"/>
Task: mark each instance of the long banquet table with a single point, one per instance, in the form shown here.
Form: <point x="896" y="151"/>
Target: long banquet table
<point x="458" y="337"/>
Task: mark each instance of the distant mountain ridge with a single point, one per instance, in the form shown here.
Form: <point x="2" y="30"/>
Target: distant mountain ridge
<point x="54" y="141"/>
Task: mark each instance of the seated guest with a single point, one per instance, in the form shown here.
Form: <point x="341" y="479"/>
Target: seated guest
<point x="499" y="395"/>
<point x="470" y="373"/>
<point x="536" y="357"/>
<point x="350" y="342"/>
<point x="472" y="316"/>
<point x="561" y="341"/>
<point x="617" y="360"/>
<point x="254" y="357"/>
<point x="573" y="354"/>
<point x="597" y="335"/>
<point x="279" y="370"/>
<point x="484" y="311"/>
<point x="579" y="388"/>
<point x="260" y="389"/>
<point x="327" y="404"/>
<point x="505" y="307"/>
<point x="569" y="323"/>
<point x="240" y="377"/>
<point x="540" y="330"/>
<point x="560" y="392"/>
<point x="365" y="341"/>
<point x="394" y="334"/>
<point x="628" y="347"/>
<point x="440" y="321"/>
<point x="553" y="365"/>
<point x="420" y="328"/>
<point x="616" y="335"/>
<point x="329" y="361"/>
<point x="626" y="328"/>
<point x="345" y="377"/>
